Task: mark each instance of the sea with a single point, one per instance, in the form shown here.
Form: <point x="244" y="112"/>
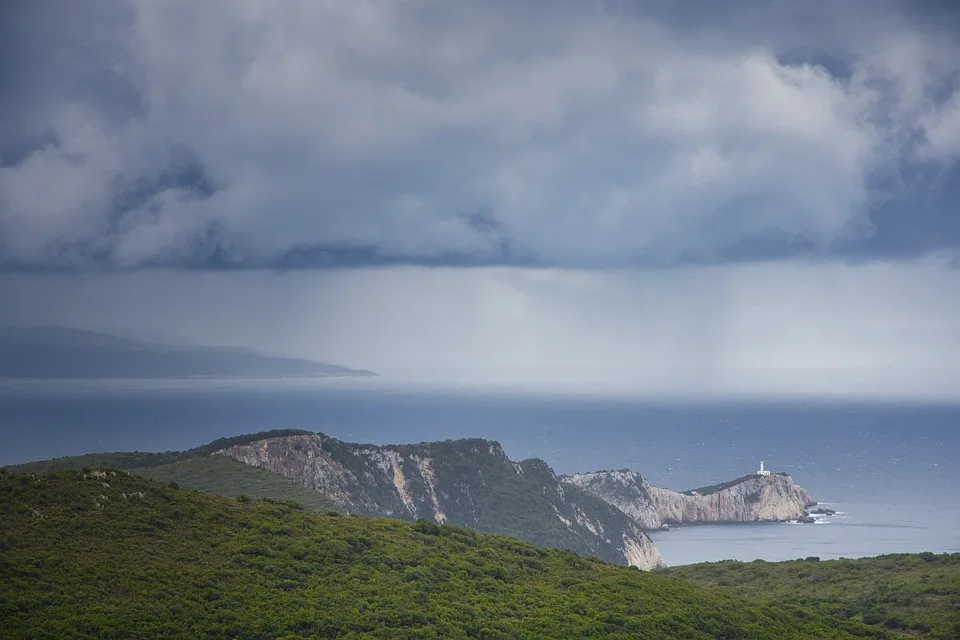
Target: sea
<point x="890" y="470"/>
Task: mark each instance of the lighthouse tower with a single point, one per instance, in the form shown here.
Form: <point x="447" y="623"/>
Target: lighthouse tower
<point x="762" y="472"/>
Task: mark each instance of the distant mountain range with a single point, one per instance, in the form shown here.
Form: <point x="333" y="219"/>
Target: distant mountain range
<point x="59" y="352"/>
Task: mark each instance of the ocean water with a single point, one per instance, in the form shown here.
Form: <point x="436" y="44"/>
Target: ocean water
<point x="891" y="471"/>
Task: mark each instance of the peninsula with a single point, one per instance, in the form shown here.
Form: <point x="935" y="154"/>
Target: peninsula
<point x="65" y="353"/>
<point x="760" y="497"/>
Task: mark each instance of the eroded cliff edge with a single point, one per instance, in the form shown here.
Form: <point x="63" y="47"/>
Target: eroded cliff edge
<point x="752" y="498"/>
<point x="465" y="482"/>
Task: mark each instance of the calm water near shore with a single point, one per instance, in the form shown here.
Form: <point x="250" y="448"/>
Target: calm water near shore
<point x="890" y="470"/>
<point x="860" y="529"/>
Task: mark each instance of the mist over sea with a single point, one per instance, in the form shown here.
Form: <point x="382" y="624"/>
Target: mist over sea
<point x="890" y="470"/>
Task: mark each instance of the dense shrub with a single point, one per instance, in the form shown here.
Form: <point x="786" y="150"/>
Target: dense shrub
<point x="917" y="593"/>
<point x="156" y="562"/>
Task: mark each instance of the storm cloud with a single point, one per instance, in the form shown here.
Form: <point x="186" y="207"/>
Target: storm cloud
<point x="322" y="133"/>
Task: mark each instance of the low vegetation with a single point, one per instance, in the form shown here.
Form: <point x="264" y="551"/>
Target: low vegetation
<point x="108" y="554"/>
<point x="227" y="477"/>
<point x="716" y="488"/>
<point x="144" y="459"/>
<point x="915" y="594"/>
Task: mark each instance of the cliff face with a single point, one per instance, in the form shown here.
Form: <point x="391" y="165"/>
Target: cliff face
<point x="626" y="490"/>
<point x="465" y="482"/>
<point x="749" y="499"/>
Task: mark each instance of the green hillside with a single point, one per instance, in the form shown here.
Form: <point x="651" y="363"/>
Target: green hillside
<point x="115" y="555"/>
<point x="143" y="459"/>
<point x="916" y="594"/>
<point x="227" y="477"/>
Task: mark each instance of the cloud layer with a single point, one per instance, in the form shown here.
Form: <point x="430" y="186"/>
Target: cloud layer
<point x="320" y="132"/>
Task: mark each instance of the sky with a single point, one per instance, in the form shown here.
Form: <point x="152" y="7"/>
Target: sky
<point x="738" y="197"/>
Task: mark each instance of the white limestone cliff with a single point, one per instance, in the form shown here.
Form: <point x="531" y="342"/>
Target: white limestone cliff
<point x="753" y="498"/>
<point x="467" y="482"/>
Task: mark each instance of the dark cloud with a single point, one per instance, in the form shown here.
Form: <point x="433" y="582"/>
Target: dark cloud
<point x="54" y="53"/>
<point x="306" y="134"/>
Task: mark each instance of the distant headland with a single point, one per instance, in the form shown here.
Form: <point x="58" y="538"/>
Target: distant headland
<point x="66" y="353"/>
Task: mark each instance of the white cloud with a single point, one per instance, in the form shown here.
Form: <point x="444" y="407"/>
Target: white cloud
<point x="589" y="137"/>
<point x="942" y="127"/>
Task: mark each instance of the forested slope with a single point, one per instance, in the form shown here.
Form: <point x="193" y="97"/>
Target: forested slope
<point x="107" y="554"/>
<point x="916" y="594"/>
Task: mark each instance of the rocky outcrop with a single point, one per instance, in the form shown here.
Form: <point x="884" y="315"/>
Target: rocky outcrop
<point x="751" y="498"/>
<point x="464" y="482"/>
<point x="588" y="516"/>
<point x="626" y="490"/>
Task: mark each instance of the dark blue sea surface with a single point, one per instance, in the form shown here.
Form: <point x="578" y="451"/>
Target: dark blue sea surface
<point x="891" y="469"/>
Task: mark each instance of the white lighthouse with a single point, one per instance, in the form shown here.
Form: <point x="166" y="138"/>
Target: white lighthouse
<point x="762" y="472"/>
